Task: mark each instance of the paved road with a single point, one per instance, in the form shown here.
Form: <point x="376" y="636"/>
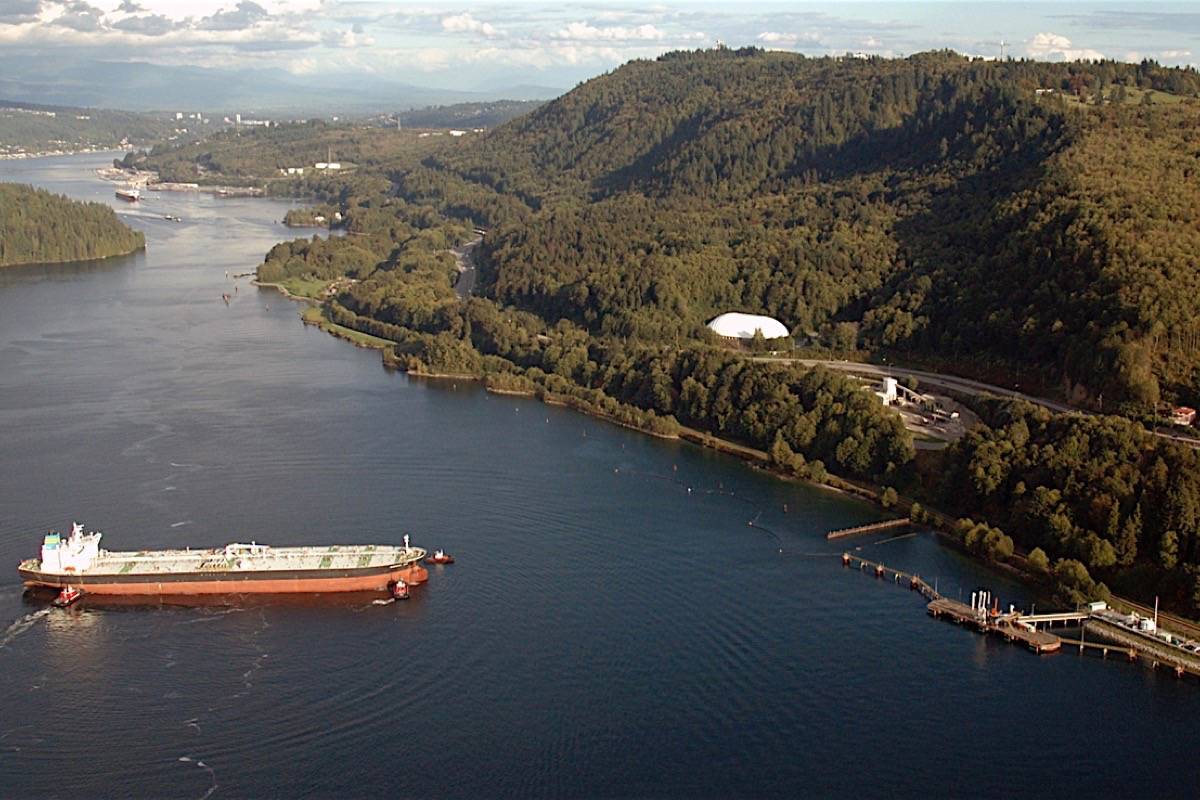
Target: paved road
<point x="464" y="257"/>
<point x="955" y="383"/>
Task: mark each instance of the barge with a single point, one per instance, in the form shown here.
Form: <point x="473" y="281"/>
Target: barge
<point x="78" y="561"/>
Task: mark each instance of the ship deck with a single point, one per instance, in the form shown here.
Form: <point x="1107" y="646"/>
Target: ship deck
<point x="221" y="560"/>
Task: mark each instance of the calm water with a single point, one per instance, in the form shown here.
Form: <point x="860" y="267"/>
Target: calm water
<point x="605" y="632"/>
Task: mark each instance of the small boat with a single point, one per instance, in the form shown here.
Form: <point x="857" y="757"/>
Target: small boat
<point x="172" y="218"/>
<point x="132" y="195"/>
<point x="68" y="595"/>
<point x="441" y="557"/>
<point x="400" y="590"/>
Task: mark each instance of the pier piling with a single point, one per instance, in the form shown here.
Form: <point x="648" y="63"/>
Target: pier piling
<point x="886" y="524"/>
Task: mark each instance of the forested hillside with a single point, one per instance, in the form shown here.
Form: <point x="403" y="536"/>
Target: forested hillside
<point x="254" y="155"/>
<point x="1036" y="218"/>
<point x="466" y="115"/>
<point x="39" y="227"/>
<point x="1035" y="215"/>
<point x="30" y="128"/>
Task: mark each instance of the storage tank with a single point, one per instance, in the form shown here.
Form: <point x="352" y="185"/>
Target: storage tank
<point x="734" y="325"/>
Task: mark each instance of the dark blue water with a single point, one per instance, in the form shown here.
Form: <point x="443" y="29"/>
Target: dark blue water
<point x="605" y="631"/>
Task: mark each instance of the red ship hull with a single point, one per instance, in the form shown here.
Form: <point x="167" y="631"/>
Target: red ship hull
<point x="307" y="582"/>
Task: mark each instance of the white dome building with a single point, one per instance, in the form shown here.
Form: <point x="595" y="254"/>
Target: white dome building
<point x="734" y="325"/>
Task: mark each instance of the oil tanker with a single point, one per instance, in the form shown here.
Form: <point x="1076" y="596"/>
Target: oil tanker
<point x="77" y="563"/>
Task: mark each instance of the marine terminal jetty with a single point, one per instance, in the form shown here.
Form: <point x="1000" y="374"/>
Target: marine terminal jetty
<point x="1135" y="636"/>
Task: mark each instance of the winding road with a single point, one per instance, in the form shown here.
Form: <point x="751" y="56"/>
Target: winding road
<point x="464" y="257"/>
<point x="957" y="384"/>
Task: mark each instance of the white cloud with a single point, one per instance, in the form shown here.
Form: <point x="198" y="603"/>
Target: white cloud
<point x="244" y="16"/>
<point x="583" y="32"/>
<point x="544" y="56"/>
<point x="351" y="38"/>
<point x="629" y="15"/>
<point x="1055" y="47"/>
<point x="785" y="39"/>
<point x="236" y="25"/>
<point x="263" y="36"/>
<point x="465" y="23"/>
<point x="1173" y="54"/>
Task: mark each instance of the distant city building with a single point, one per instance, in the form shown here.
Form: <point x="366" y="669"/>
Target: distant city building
<point x="734" y="325"/>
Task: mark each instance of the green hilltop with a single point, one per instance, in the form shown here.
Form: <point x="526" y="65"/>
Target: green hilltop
<point x="1030" y="221"/>
<point x="38" y="227"/>
<point x="1032" y="214"/>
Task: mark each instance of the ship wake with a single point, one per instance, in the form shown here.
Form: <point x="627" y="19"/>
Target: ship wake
<point x="23" y="624"/>
<point x="206" y="767"/>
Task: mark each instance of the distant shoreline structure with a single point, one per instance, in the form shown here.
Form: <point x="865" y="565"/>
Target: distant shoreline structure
<point x="54" y="153"/>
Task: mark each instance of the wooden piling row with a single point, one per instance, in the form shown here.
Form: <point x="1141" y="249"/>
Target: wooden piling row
<point x="886" y="524"/>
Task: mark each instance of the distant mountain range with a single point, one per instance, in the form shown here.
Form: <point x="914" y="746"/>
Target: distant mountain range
<point x="139" y="86"/>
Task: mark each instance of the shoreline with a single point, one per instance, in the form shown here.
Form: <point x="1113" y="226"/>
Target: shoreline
<point x="938" y="522"/>
<point x="283" y="290"/>
<point x="148" y="180"/>
<point x="757" y="459"/>
<point x="140" y="249"/>
<point x="58" y="153"/>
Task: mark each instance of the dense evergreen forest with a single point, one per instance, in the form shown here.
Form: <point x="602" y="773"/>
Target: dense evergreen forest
<point x="1037" y="218"/>
<point x="1100" y="491"/>
<point x="1040" y="215"/>
<point x="39" y="227"/>
<point x="466" y="115"/>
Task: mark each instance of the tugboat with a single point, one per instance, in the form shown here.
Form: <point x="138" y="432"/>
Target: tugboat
<point x="441" y="557"/>
<point x="68" y="595"/>
<point x="400" y="590"/>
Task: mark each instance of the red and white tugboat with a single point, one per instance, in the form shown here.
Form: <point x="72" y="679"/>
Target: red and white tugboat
<point x="68" y="595"/>
<point x="441" y="557"/>
<point x="400" y="590"/>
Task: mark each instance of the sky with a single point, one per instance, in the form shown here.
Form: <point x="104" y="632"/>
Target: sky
<point x="467" y="45"/>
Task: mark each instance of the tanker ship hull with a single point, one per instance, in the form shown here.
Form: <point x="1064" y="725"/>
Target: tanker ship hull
<point x="274" y="582"/>
<point x="77" y="562"/>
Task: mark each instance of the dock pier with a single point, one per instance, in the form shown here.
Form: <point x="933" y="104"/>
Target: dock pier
<point x="872" y="527"/>
<point x="1012" y="625"/>
<point x="984" y="615"/>
<point x="1103" y="647"/>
